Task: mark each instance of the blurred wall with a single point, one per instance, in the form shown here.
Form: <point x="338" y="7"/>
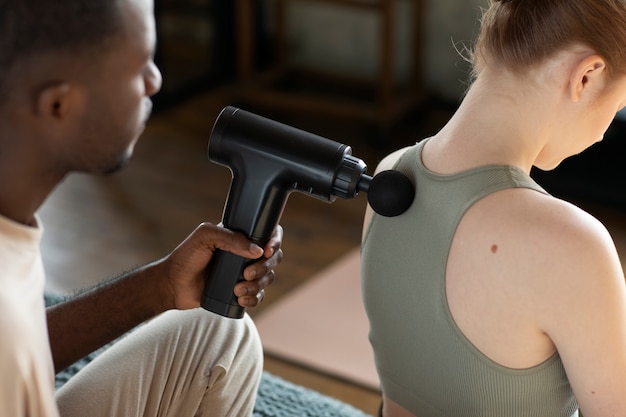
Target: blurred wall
<point x="345" y="39"/>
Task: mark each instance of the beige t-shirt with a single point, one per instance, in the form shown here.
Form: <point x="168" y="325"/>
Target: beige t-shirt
<point x="26" y="368"/>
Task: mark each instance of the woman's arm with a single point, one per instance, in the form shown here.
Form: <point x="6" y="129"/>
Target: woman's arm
<point x="583" y="311"/>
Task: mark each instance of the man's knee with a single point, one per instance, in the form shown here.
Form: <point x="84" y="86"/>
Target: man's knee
<point x="233" y="343"/>
<point x="234" y="377"/>
<point x="218" y="361"/>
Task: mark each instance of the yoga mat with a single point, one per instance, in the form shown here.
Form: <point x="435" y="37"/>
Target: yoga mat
<point x="322" y="325"/>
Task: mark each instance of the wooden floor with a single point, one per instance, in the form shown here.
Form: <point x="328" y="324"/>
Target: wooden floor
<point x="98" y="227"/>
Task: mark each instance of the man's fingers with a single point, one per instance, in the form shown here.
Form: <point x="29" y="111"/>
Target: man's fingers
<point x="252" y="300"/>
<point x="252" y="287"/>
<point x="275" y="242"/>
<point x="214" y="237"/>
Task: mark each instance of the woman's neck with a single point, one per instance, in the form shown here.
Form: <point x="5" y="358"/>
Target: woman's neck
<point x="500" y="121"/>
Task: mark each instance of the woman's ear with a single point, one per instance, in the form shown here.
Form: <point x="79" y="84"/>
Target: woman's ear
<point x="588" y="75"/>
<point x="58" y="101"/>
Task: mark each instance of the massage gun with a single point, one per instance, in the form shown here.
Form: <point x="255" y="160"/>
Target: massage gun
<point x="268" y="161"/>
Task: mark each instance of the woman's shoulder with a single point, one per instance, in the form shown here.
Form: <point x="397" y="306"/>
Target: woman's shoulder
<point x="566" y="222"/>
<point x="390" y="160"/>
<point x="553" y="247"/>
<point x="552" y="224"/>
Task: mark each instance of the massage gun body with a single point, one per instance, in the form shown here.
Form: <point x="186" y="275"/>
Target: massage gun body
<point x="268" y="161"/>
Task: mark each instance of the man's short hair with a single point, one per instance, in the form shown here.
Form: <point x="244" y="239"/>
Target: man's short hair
<point x="31" y="27"/>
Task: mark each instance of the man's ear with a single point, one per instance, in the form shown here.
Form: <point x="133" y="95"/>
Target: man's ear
<point x="58" y="101"/>
<point x="587" y="75"/>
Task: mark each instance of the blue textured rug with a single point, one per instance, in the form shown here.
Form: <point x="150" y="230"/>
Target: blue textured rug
<point x="276" y="397"/>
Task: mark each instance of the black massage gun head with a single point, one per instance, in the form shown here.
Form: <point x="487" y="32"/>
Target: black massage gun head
<point x="390" y="193"/>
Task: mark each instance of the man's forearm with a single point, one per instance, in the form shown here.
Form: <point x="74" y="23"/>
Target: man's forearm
<point x="94" y="318"/>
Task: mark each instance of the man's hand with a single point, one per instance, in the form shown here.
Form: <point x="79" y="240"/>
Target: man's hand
<point x="98" y="316"/>
<point x="261" y="274"/>
<point x="183" y="269"/>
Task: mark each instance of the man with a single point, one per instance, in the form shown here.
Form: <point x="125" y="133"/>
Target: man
<point x="76" y="77"/>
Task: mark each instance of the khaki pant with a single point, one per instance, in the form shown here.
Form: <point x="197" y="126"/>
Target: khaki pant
<point x="182" y="363"/>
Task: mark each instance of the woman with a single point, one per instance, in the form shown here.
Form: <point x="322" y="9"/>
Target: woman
<point x="489" y="297"/>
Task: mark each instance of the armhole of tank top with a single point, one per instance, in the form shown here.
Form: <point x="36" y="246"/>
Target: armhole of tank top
<point x="446" y="305"/>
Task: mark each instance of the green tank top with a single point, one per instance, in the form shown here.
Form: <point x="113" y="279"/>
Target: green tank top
<point x="423" y="360"/>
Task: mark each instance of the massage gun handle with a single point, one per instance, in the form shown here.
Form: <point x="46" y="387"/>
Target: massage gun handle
<point x="224" y="271"/>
